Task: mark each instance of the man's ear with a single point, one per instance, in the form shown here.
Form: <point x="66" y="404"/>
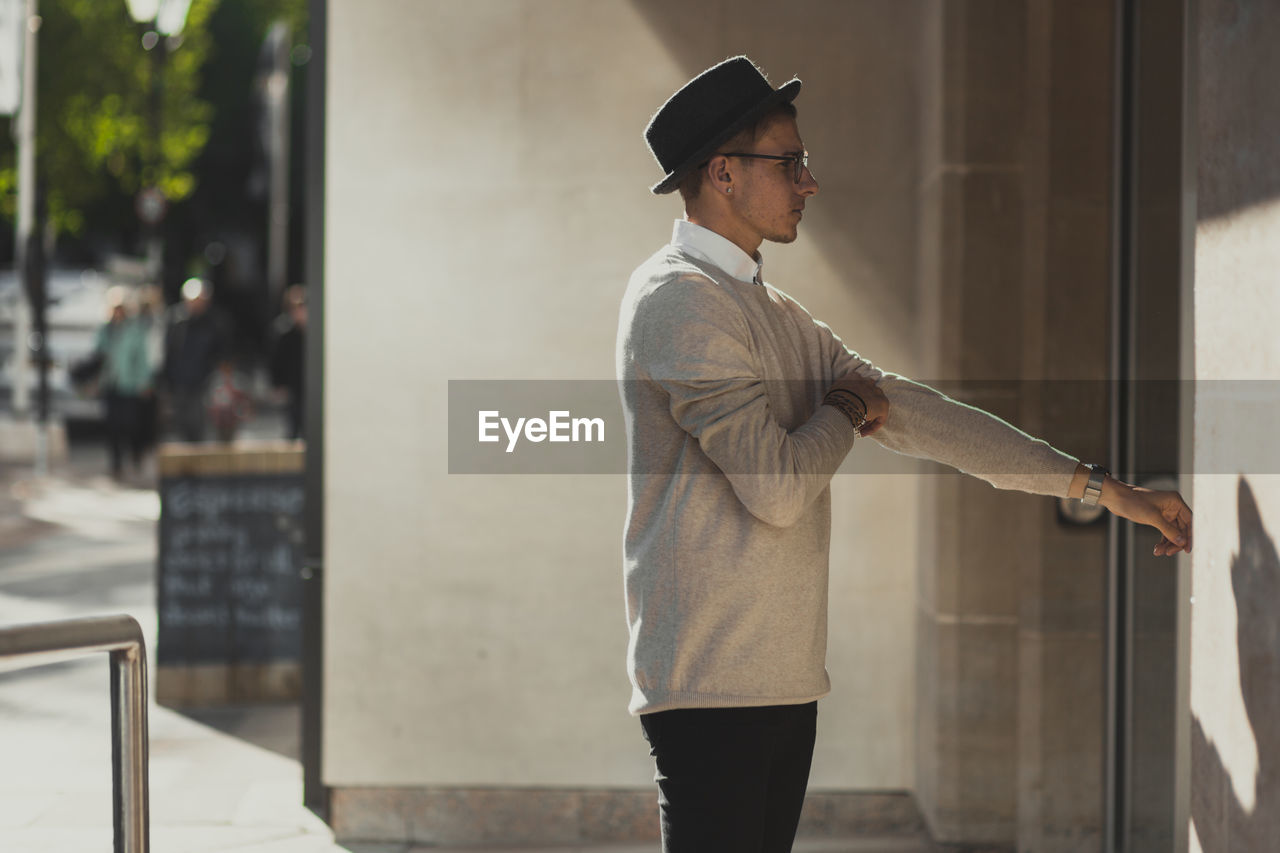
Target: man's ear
<point x="719" y="173"/>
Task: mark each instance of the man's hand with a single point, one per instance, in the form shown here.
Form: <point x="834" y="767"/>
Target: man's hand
<point x="1165" y="511"/>
<point x="876" y="402"/>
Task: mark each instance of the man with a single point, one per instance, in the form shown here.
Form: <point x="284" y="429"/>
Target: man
<point x="740" y="406"/>
<point x="125" y="381"/>
<point x="288" y="357"/>
<point x="194" y="347"/>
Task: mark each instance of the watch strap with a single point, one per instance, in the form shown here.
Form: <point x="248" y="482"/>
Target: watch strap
<point x="1093" y="488"/>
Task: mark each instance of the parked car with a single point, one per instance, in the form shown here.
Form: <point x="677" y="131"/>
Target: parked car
<point x="76" y="309"/>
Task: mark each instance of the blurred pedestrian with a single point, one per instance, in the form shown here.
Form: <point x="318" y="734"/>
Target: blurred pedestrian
<point x="151" y="319"/>
<point x="194" y="346"/>
<point x="288" y="357"/>
<point x="124" y="380"/>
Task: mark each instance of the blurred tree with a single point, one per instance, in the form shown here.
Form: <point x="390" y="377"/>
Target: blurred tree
<point x="95" y="144"/>
<point x="94" y="140"/>
<point x="94" y="104"/>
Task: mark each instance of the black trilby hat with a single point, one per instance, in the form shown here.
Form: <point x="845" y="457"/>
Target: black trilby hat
<point x="710" y="108"/>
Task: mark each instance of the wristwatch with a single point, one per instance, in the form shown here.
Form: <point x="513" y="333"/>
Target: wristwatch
<point x="1093" y="489"/>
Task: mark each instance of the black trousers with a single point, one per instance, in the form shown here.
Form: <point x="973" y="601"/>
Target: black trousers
<point x="189" y="416"/>
<point x="296" y="414"/>
<point x="122" y="429"/>
<point x="731" y="779"/>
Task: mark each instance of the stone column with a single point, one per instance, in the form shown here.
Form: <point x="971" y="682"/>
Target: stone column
<point x="1016" y="200"/>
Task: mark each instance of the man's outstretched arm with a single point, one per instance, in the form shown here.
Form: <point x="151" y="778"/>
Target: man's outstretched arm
<point x="912" y="418"/>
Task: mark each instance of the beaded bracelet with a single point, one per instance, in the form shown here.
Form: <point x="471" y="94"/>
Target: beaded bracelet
<point x="847" y="392"/>
<point x="837" y="401"/>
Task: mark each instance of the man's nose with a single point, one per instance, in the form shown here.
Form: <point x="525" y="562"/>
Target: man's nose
<point x="808" y="183"/>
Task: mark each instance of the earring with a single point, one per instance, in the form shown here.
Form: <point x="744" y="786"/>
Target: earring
<point x="728" y="189"/>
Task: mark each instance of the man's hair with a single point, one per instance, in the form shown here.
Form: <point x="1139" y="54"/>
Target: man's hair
<point x="691" y="185"/>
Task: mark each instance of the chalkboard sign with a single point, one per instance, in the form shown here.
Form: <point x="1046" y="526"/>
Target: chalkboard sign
<point x="229" y="590"/>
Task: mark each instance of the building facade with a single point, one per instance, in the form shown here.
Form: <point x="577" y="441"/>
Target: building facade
<point x="1062" y="212"/>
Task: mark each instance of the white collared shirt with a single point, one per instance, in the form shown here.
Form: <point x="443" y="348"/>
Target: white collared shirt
<point x="706" y="245"/>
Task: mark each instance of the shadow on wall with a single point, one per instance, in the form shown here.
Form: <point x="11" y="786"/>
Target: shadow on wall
<point x="859" y="116"/>
<point x="1221" y="821"/>
<point x="1239" y="124"/>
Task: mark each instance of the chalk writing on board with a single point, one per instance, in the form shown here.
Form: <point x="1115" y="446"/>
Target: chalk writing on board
<point x="230" y="551"/>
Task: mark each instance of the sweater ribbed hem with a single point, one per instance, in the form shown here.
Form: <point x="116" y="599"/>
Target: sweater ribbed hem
<point x="650" y="704"/>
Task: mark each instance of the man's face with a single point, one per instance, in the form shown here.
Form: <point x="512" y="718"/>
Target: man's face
<point x="769" y="202"/>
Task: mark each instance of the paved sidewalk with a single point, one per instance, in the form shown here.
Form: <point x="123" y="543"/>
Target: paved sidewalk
<point x="221" y="779"/>
<point x="86" y="547"/>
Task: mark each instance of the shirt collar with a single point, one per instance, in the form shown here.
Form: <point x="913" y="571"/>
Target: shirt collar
<point x="706" y="245"/>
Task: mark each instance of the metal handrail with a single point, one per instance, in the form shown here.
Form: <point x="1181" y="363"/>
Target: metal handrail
<point x="121" y="637"/>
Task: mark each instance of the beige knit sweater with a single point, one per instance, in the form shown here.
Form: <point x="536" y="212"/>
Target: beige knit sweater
<point x="731" y="453"/>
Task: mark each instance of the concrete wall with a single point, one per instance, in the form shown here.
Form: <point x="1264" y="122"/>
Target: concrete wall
<point x="1235" y="644"/>
<point x="487" y="198"/>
